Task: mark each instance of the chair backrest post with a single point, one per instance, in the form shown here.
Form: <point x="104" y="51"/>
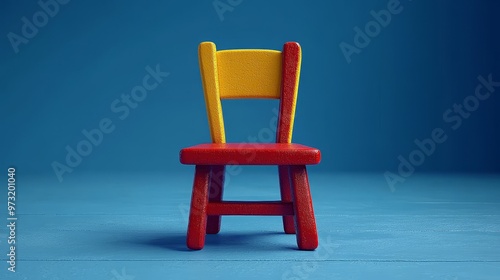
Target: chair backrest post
<point x="292" y="57"/>
<point x="207" y="55"/>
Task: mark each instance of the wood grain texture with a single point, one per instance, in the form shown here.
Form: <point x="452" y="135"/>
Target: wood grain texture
<point x="97" y="226"/>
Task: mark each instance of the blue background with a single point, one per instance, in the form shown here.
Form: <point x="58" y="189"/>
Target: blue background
<point x="124" y="208"/>
<point x="362" y="115"/>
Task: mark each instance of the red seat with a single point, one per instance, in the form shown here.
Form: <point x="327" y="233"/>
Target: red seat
<point x="250" y="154"/>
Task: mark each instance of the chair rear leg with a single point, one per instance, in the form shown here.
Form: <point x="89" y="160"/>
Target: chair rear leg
<point x="307" y="235"/>
<point x="216" y="191"/>
<point x="198" y="212"/>
<point x="286" y="196"/>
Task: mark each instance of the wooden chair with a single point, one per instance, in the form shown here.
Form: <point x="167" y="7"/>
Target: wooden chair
<point x="235" y="74"/>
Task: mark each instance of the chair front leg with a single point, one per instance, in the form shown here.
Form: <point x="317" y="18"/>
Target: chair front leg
<point x="307" y="235"/>
<point x="198" y="212"/>
<point x="216" y="191"/>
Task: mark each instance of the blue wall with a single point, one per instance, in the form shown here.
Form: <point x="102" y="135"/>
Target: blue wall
<point x="362" y="114"/>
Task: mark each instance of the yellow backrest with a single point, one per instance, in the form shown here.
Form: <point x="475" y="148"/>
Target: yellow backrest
<point x="234" y="74"/>
<point x="249" y="73"/>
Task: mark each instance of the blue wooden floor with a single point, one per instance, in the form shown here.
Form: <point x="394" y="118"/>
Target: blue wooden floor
<point x="124" y="227"/>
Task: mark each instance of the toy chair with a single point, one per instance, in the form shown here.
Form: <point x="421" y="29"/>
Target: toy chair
<point x="235" y="74"/>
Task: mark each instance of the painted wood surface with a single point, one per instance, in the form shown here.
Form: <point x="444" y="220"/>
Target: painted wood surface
<point x="134" y="227"/>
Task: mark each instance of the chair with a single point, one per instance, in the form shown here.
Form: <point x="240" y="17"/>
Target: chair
<point x="236" y="74"/>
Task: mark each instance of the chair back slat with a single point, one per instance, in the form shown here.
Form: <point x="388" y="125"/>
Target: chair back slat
<point x="249" y="74"/>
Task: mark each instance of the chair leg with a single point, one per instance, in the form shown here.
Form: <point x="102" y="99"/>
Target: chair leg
<point x="198" y="212"/>
<point x="307" y="235"/>
<point x="286" y="196"/>
<point x="216" y="190"/>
